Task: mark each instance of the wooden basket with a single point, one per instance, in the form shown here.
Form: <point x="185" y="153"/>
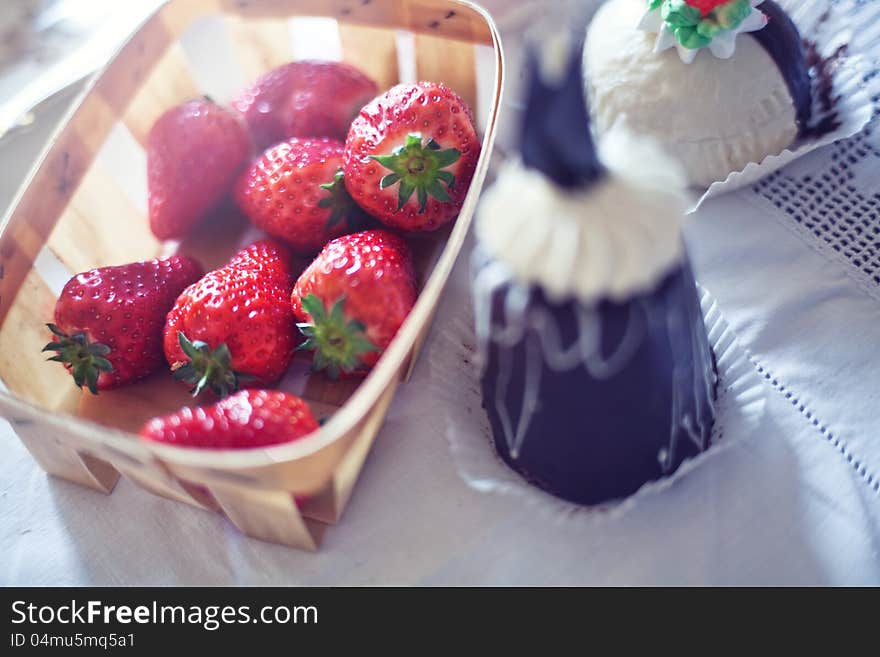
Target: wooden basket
<point x="83" y="206"/>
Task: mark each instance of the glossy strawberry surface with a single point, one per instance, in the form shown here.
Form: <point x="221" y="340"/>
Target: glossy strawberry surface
<point x="293" y="192"/>
<point x="364" y="287"/>
<point x="309" y="98"/>
<point x="195" y="151"/>
<point x="243" y="305"/>
<point x="122" y="308"/>
<point x="249" y="418"/>
<point x="410" y="156"/>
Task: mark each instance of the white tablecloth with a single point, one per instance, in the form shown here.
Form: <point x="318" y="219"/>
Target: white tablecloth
<point x="797" y="502"/>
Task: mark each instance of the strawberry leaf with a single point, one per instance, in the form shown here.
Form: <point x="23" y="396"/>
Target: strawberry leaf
<point x="85" y="359"/>
<point x="342" y="206"/>
<point x="208" y="369"/>
<point x="337" y="341"/>
<point x="389" y="180"/>
<point x="418" y="168"/>
<point x="405" y="190"/>
<point x="439" y="192"/>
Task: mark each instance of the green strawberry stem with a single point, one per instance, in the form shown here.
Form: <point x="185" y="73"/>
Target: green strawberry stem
<point x="208" y="368"/>
<point x="419" y="168"/>
<point x="338" y="342"/>
<point x="85" y="358"/>
<point x="342" y="204"/>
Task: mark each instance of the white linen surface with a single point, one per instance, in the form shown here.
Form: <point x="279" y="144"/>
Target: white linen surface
<point x="797" y="502"/>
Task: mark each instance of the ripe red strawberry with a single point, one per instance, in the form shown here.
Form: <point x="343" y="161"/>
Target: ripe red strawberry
<point x="410" y="156"/>
<point x="351" y="300"/>
<point x="250" y="418"/>
<point x="234" y="325"/>
<point x="295" y="192"/>
<point x="705" y="6"/>
<point x="194" y="153"/>
<point x="304" y="99"/>
<point x="108" y="321"/>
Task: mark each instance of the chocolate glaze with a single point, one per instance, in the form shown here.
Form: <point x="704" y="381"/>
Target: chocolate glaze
<point x="782" y="41"/>
<point x="591" y="440"/>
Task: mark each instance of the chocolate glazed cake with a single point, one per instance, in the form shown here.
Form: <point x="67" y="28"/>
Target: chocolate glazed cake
<point x="597" y="375"/>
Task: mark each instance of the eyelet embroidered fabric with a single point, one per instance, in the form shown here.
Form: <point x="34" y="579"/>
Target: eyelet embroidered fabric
<point x="835" y="201"/>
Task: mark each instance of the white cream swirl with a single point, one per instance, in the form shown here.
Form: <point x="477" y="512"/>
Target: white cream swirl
<point x="613" y="240"/>
<point x="723" y="44"/>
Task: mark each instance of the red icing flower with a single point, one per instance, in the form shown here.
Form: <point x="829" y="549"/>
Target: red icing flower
<point x="705" y="6"/>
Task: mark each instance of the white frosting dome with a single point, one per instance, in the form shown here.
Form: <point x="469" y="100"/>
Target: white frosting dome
<point x="713" y="115"/>
<point x="615" y="239"/>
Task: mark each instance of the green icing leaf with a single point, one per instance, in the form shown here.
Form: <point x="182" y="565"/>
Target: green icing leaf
<point x="677" y="13"/>
<point x="691" y="38"/>
<point x="708" y="29"/>
<point x="730" y="15"/>
<point x="692" y="29"/>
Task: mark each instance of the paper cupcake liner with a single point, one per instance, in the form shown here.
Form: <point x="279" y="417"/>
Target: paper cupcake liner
<point x="849" y="23"/>
<point x="454" y="379"/>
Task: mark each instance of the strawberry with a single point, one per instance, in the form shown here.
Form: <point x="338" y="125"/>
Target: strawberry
<point x="234" y="325"/>
<point x="705" y="6"/>
<point x="250" y="418"/>
<point x="351" y="300"/>
<point x="410" y="156"/>
<point x="108" y="321"/>
<point x="194" y="153"/>
<point x="304" y="99"/>
<point x="295" y="192"/>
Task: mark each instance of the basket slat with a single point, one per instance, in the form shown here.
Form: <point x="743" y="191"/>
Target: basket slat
<point x="22" y="336"/>
<point x="450" y="62"/>
<point x="118" y="84"/>
<point x="348" y="469"/>
<point x="268" y="515"/>
<point x="169" y="84"/>
<point x="261" y="45"/>
<point x="437" y="17"/>
<point x="62" y="461"/>
<point x="37" y="211"/>
<point x="129" y="407"/>
<point x="101" y="227"/>
<point x="158" y="482"/>
<point x="381" y="65"/>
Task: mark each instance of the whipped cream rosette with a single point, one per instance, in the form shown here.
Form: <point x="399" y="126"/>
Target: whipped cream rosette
<point x="597" y="376"/>
<point x="731" y="89"/>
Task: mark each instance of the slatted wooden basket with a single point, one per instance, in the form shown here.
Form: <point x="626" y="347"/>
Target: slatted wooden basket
<point x="84" y="206"/>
